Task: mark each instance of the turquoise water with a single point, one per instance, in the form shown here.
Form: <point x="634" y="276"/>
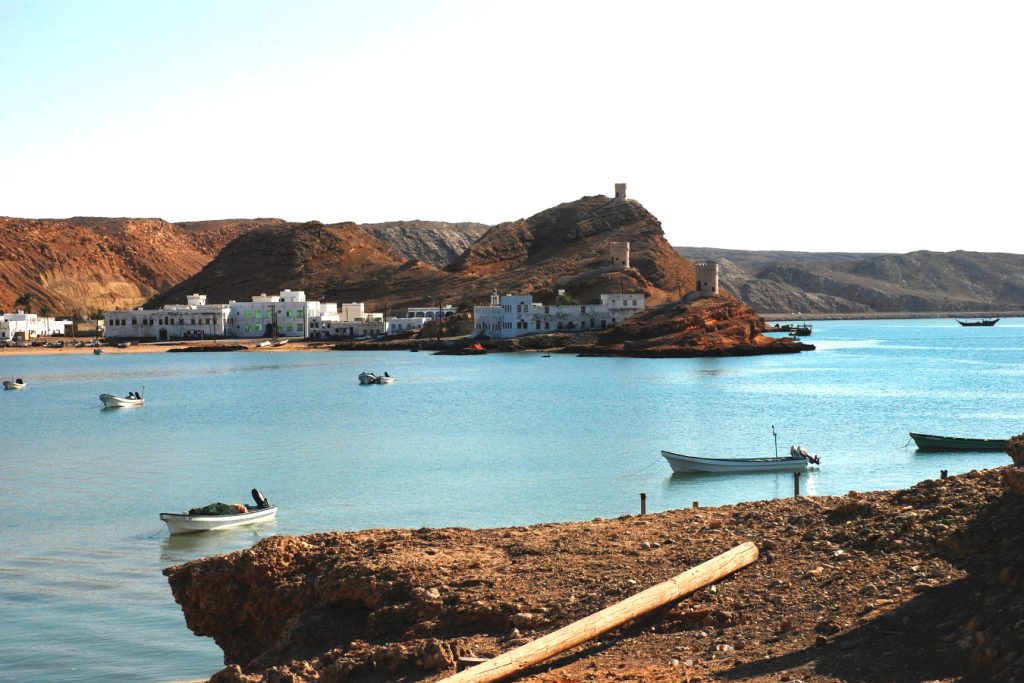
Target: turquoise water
<point x="471" y="441"/>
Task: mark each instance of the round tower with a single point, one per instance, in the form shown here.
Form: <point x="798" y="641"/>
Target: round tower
<point x="707" y="278"/>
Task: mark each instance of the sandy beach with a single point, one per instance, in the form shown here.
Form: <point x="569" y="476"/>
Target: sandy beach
<point x="164" y="347"/>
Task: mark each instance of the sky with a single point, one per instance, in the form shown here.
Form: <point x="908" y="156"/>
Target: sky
<point x="869" y="126"/>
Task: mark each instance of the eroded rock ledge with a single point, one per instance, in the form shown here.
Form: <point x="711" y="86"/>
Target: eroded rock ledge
<point x="924" y="583"/>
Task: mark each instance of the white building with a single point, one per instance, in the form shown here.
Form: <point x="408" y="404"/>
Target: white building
<point x="26" y="326"/>
<point x="194" y="320"/>
<point x="352" y="321"/>
<point x="430" y="312"/>
<point x="288" y="311"/>
<point x="516" y="315"/>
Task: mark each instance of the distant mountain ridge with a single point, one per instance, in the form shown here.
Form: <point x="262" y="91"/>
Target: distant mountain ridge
<point x="786" y="282"/>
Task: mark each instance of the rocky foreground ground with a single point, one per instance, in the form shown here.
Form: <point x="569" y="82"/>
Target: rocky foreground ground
<point x="923" y="584"/>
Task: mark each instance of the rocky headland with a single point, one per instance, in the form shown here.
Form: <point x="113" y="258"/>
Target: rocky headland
<point x="922" y="584"/>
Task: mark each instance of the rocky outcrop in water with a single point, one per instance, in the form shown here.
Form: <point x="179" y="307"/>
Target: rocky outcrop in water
<point x="896" y="586"/>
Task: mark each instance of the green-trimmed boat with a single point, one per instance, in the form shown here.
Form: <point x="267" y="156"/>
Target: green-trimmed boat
<point x="930" y="442"/>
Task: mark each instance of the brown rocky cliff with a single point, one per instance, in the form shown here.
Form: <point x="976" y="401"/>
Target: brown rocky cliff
<point x="86" y="264"/>
<point x="898" y="586"/>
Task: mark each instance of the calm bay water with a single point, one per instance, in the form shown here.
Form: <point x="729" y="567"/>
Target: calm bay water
<point x="494" y="440"/>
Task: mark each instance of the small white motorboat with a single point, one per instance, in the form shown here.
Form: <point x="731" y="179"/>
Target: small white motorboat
<point x="15" y="383"/>
<point x="373" y="378"/>
<point x="133" y="399"/>
<point x="798" y="460"/>
<point x="220" y="516"/>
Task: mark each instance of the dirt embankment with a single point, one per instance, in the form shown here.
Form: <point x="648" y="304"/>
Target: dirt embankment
<point x="898" y="586"/>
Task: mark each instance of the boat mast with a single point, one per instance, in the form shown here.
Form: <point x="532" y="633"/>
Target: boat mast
<point x="776" y="441"/>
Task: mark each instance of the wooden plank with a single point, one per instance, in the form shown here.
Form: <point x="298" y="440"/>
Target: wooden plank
<point x="568" y="637"/>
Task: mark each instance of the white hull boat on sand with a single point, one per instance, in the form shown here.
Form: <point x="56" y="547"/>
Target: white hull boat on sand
<point x="189" y="523"/>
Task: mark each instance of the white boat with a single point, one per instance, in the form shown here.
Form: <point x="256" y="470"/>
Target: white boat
<point x="15" y="383"/>
<point x="187" y="523"/>
<point x="263" y="344"/>
<point x="129" y="401"/>
<point x="373" y="378"/>
<point x="797" y="460"/>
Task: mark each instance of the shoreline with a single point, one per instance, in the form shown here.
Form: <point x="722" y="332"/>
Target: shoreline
<point x="907" y="315"/>
<point x="858" y="568"/>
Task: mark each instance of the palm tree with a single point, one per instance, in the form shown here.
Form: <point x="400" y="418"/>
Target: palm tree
<point x="25" y="301"/>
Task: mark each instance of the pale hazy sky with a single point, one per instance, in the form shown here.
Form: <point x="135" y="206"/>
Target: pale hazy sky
<point x="818" y="126"/>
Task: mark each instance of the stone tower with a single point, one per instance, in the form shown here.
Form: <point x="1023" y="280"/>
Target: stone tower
<point x="707" y="278"/>
<point x="620" y="190"/>
<point x="619" y="252"/>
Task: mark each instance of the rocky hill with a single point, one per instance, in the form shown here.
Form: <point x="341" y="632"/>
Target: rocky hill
<point x="88" y="264"/>
<point x="922" y="584"/>
<point x="838" y="283"/>
<point x="566" y="247"/>
<point x="433" y="242"/>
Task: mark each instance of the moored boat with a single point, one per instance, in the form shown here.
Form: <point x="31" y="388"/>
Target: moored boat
<point x="133" y="399"/>
<point x="931" y="442"/>
<point x="374" y="378"/>
<point x="986" y="322"/>
<point x="220" y="516"/>
<point x="18" y="383"/>
<point x="797" y="460"/>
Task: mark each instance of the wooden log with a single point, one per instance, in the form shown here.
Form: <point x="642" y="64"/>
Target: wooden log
<point x="568" y="637"/>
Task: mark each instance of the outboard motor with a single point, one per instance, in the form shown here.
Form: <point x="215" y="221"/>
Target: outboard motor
<point x="261" y="501"/>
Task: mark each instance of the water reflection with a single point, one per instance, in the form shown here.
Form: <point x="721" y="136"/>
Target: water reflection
<point x="184" y="547"/>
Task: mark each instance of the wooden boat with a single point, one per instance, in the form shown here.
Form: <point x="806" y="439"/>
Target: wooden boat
<point x="374" y="378"/>
<point x="797" y="460"/>
<point x="988" y="322"/>
<point x="15" y="383"/>
<point x="130" y="401"/>
<point x="930" y="442"/>
<point x="194" y="521"/>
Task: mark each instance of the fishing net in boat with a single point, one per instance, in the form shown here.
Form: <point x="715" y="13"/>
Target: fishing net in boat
<point x="216" y="509"/>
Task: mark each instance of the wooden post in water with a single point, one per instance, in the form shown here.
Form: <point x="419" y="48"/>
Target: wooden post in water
<point x="643" y="503"/>
<point x="567" y="637"/>
<point x="796" y="484"/>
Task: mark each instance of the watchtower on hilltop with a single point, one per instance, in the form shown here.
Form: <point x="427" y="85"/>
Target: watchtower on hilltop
<point x="707" y="278"/>
<point x="620" y="191"/>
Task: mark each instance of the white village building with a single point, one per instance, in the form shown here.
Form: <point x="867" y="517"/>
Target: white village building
<point x="26" y="326"/>
<point x="516" y="315"/>
<point x="289" y="312"/>
<point x="194" y="320"/>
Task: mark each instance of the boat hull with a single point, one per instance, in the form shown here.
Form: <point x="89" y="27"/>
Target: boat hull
<point x="10" y="384"/>
<point x="689" y="463"/>
<point x="179" y="523"/>
<point x="111" y="401"/>
<point x="931" y="442"/>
